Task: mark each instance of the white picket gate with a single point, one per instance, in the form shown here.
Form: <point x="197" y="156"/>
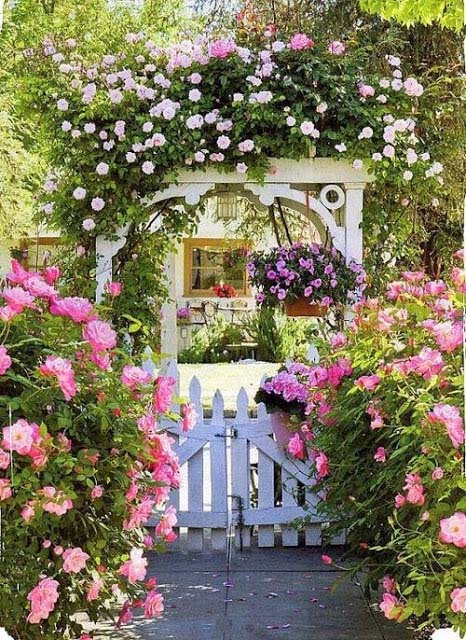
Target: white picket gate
<point x="236" y="480"/>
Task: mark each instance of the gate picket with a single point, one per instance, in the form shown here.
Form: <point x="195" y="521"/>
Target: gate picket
<point x="218" y="471"/>
<point x="240" y="467"/>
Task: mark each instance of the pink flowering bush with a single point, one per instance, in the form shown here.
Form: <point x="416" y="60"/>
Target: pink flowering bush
<point x="305" y="271"/>
<point x="84" y="465"/>
<point x="388" y="441"/>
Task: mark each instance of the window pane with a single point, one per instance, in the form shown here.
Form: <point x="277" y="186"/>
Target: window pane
<point x="208" y="256"/>
<point x="205" y="279"/>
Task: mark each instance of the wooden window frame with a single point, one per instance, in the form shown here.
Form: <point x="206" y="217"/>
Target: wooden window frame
<point x="191" y="243"/>
<point x="30" y="243"/>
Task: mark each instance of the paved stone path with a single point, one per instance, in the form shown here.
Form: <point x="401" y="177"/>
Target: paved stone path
<point x="269" y="594"/>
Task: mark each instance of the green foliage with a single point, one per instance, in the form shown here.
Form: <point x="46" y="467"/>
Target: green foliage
<point x="448" y="13"/>
<point x="278" y="337"/>
<point x="209" y="343"/>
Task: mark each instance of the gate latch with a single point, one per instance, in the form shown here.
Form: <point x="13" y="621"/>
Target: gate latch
<point x="230" y="432"/>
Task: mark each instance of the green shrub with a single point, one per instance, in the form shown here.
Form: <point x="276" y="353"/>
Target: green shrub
<point x="209" y="343"/>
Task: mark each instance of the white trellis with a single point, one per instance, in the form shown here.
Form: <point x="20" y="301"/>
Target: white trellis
<point x="236" y="480"/>
<point x="296" y="183"/>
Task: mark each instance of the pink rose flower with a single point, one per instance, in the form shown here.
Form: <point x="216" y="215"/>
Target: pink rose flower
<point x="94" y="589"/>
<point x="135" y="568"/>
<point x="62" y="370"/>
<point x="97" y="492"/>
<point x="125" y="614"/>
<point x="301" y="41"/>
<point x="322" y="465"/>
<point x="369" y="383"/>
<point x="164" y="527"/>
<point x="189" y="416"/>
<point x="415" y="489"/>
<point x="5" y="361"/>
<point x="391" y="607"/>
<point x="42" y="598"/>
<point x="18" y="274"/>
<point x="449" y="416"/>
<point x="5" y="489"/>
<point x="458" y="600"/>
<point x="453" y="530"/>
<point x="100" y="335"/>
<point x="153" y="605"/>
<point x="296" y="446"/>
<point x="133" y="377"/>
<point x="389" y="584"/>
<point x="365" y="90"/>
<point x="400" y="501"/>
<point x="113" y="288"/>
<point x="20" y="437"/>
<point x="336" y="48"/>
<point x="74" y="560"/>
<point x="164" y="389"/>
<point x="326" y="559"/>
<point x="78" y="309"/>
<point x="4" y="459"/>
<point x="28" y="512"/>
<point x="18" y="299"/>
<point x="437" y="473"/>
<point x="222" y="48"/>
<point x="380" y="455"/>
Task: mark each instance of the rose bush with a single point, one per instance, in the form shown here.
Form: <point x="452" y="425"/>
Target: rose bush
<point x="84" y="464"/>
<point x="388" y="431"/>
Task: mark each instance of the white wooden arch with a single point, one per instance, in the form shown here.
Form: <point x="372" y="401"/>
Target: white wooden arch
<point x="291" y="181"/>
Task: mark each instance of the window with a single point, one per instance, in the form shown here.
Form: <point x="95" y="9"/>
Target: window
<point x="210" y="262"/>
<point x="39" y="252"/>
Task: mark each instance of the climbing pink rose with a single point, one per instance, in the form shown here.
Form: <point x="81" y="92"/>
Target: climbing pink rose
<point x="453" y="530"/>
<point x="458" y="600"/>
<point x="391" y="606"/>
<point x="133" y="377"/>
<point x="19" y="437"/>
<point x="5" y="361"/>
<point x="18" y="299"/>
<point x="365" y="90"/>
<point x="135" y="568"/>
<point x="380" y="455"/>
<point x="42" y="598"/>
<point x="28" y="512"/>
<point x="369" y="383"/>
<point x="164" y="527"/>
<point x="400" y="500"/>
<point x="322" y="465"/>
<point x="74" y="560"/>
<point x="94" y="589"/>
<point x="437" y="473"/>
<point x="450" y="417"/>
<point x="113" y="288"/>
<point x="100" y="335"/>
<point x="164" y="388"/>
<point x="189" y="416"/>
<point x="62" y="370"/>
<point x="5" y="489"/>
<point x="222" y="48"/>
<point x="97" y="492"/>
<point x="415" y="489"/>
<point x="336" y="48"/>
<point x="449" y="335"/>
<point x="296" y="446"/>
<point x="78" y="309"/>
<point x="125" y="614"/>
<point x="51" y="274"/>
<point x="301" y="41"/>
<point x="4" y="459"/>
<point x="388" y="583"/>
<point x="18" y="274"/>
<point x="326" y="559"/>
<point x="153" y="605"/>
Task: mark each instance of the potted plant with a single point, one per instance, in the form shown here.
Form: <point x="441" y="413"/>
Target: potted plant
<point x="183" y="316"/>
<point x="224" y="290"/>
<point x="285" y="398"/>
<point x="306" y="278"/>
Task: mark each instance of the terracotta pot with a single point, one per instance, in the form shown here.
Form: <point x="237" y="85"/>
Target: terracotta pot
<point x="302" y="307"/>
<point x="281" y="427"/>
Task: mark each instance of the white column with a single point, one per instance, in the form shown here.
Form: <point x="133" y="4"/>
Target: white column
<point x="169" y="346"/>
<point x="353" y="221"/>
<point x="105" y="250"/>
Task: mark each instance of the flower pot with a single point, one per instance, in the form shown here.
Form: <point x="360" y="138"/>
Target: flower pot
<point x="302" y="307"/>
<point x="281" y="427"/>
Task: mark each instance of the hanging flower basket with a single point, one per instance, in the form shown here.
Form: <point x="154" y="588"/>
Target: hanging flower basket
<point x="301" y="307"/>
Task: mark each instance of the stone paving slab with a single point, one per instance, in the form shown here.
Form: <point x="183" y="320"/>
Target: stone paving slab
<point x="283" y="594"/>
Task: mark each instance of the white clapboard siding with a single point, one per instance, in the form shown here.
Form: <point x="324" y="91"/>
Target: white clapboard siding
<point x="223" y="461"/>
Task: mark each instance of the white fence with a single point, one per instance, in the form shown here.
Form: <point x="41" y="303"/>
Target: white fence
<point x="236" y="480"/>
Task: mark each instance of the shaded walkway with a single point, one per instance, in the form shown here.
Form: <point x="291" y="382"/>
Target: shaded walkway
<point x="269" y="593"/>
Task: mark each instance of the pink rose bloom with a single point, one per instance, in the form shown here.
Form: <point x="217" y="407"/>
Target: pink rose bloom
<point x="400" y="501"/>
<point x="39" y="288"/>
<point x="74" y="560"/>
<point x="222" y="48"/>
<point x="133" y="377"/>
<point x="391" y="606"/>
<point x="5" y="361"/>
<point x="5" y="489"/>
<point x="135" y="568"/>
<point x="437" y="473"/>
<point x="326" y="559"/>
<point x="19" y="437"/>
<point x="56" y="502"/>
<point x="449" y="416"/>
<point x="369" y="383"/>
<point x="365" y="90"/>
<point x="458" y="600"/>
<point x="97" y="492"/>
<point x="62" y="370"/>
<point x="42" y="598"/>
<point x="78" y="309"/>
<point x="28" y="512"/>
<point x="188" y="417"/>
<point x="164" y="389"/>
<point x="125" y="614"/>
<point x="296" y="447"/>
<point x="153" y="605"/>
<point x="389" y="584"/>
<point x="94" y="590"/>
<point x="449" y="335"/>
<point x="51" y="275"/>
<point x="453" y="530"/>
<point x="18" y="274"/>
<point x="164" y="527"/>
<point x="301" y="41"/>
<point x="415" y="489"/>
<point x="380" y="455"/>
<point x="322" y="465"/>
<point x="338" y="340"/>
<point x="113" y="288"/>
<point x="4" y="459"/>
<point x="100" y="335"/>
<point x="336" y="48"/>
<point x="18" y="299"/>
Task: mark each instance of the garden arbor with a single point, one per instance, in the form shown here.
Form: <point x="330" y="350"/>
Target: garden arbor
<point x="328" y="192"/>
